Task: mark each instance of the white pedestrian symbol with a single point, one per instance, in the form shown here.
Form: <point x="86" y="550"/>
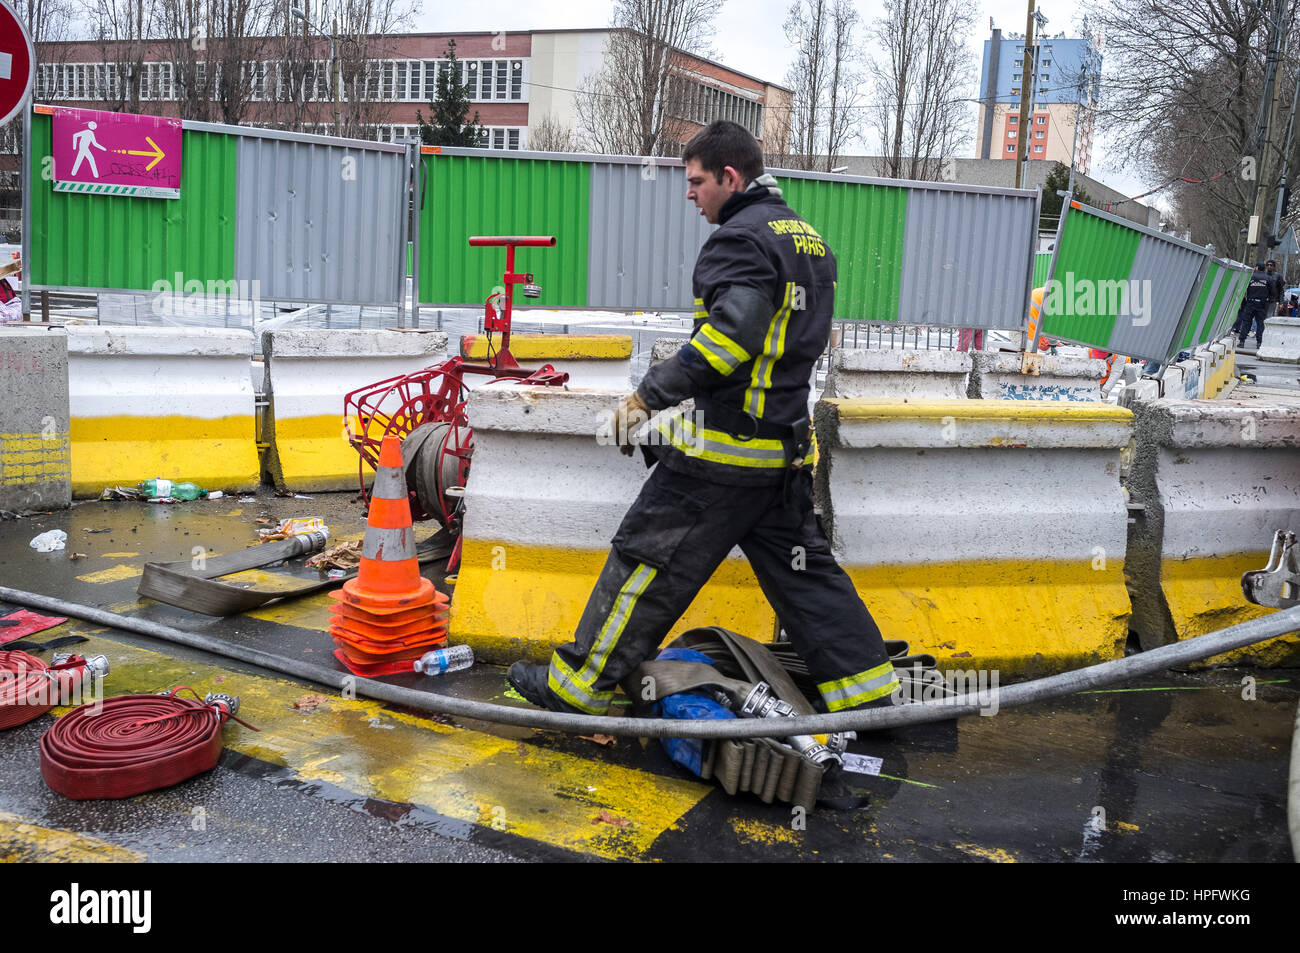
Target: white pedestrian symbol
<point x="85" y="141"/>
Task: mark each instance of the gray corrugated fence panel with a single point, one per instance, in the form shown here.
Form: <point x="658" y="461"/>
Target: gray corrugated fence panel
<point x="644" y="238"/>
<point x="1167" y="275"/>
<point x="967" y="258"/>
<point x="318" y="222"/>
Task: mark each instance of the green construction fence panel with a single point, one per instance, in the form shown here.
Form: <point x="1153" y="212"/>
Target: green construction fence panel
<point x="127" y="243"/>
<point x="495" y="194"/>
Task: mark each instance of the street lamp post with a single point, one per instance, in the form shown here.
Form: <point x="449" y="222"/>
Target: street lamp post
<point x="336" y="72"/>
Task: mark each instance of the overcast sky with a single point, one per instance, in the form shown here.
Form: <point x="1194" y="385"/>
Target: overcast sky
<point x="749" y="38"/>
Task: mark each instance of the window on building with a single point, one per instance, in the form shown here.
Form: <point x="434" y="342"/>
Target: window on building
<point x="485" y="79"/>
<point x="1011" y="148"/>
<point x="512" y="139"/>
<point x="1047" y="77"/>
<point x="1019" y="63"/>
<point x="1011" y="134"/>
<point x="431" y="80"/>
<point x="501" y="79"/>
<point x="1041" y="120"/>
<point x="1015" y="77"/>
<point x="517" y="82"/>
<point x="1047" y="63"/>
<point x="1013" y="120"/>
<point x="1015" y="91"/>
<point x="1038" y="148"/>
<point x="1039" y="134"/>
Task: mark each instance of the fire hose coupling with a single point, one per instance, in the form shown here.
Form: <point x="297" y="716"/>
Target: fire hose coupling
<point x="97" y="666"/>
<point x="761" y="703"/>
<point x="228" y="703"/>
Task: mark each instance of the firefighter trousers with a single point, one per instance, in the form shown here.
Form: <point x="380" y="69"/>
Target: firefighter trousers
<point x="672" y="539"/>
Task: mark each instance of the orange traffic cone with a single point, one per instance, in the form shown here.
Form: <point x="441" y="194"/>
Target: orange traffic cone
<point x="389" y="612"/>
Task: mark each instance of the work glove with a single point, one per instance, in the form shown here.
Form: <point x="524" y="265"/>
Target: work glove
<point x="627" y="419"/>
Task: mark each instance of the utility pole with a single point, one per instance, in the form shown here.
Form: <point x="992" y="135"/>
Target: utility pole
<point x="1026" y="80"/>
<point x="1286" y="162"/>
<point x="1264" y="155"/>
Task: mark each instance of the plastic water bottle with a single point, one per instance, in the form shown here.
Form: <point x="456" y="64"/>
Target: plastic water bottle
<point x="160" y="489"/>
<point x="451" y="659"/>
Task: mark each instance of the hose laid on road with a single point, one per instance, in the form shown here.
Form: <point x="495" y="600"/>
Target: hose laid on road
<point x="1067" y="683"/>
<point x="29" y="688"/>
<point x="130" y="744"/>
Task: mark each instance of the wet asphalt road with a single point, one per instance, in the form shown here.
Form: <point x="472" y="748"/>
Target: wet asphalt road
<point x="1175" y="767"/>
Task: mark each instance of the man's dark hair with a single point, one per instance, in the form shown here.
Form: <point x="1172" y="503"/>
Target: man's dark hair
<point x="721" y="144"/>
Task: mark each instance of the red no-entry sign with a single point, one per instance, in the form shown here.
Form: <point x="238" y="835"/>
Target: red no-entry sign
<point x="17" y="64"/>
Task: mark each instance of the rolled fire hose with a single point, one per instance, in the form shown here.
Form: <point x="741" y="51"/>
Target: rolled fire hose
<point x="29" y="688"/>
<point x="1067" y="683"/>
<point x="130" y="744"/>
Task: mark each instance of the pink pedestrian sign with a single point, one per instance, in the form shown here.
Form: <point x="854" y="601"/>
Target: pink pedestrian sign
<point x="105" y="153"/>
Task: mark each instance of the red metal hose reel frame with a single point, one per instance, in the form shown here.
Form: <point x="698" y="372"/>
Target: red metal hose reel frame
<point x="400" y="405"/>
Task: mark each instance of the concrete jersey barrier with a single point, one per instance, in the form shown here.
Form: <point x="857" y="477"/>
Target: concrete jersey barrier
<point x="35" y="453"/>
<point x="1216" y="480"/>
<point x="543" y="502"/>
<point x="884" y="372"/>
<point x="989" y="533"/>
<point x="997" y="376"/>
<point x="308" y="373"/>
<point x="149" y="402"/>
<point x="591" y="360"/>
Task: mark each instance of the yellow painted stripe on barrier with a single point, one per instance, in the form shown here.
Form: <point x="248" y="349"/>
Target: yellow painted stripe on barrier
<point x="550" y="347"/>
<point x="314" y="453"/>
<point x="217" y="454"/>
<point x="1021" y="617"/>
<point x="1204" y="595"/>
<point x="533" y="603"/>
<point x="365" y="749"/>
<point x="22" y="840"/>
<point x="1046" y="410"/>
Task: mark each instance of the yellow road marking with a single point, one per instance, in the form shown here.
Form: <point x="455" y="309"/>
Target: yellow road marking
<point x="995" y="854"/>
<point x="546" y="796"/>
<point x="24" y="841"/>
<point x="111" y="574"/>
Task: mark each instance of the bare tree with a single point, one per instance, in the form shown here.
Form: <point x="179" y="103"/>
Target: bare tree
<point x="363" y="30"/>
<point x="921" y="84"/>
<point x="826" y="78"/>
<point x="1184" y="82"/>
<point x="123" y="29"/>
<point x="634" y="104"/>
<point x="183" y="25"/>
<point x="548" y="135"/>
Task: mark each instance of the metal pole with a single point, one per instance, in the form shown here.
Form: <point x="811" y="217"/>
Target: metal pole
<point x="26" y="187"/>
<point x="1026" y="73"/>
<point x="1286" y="161"/>
<point x="1269" y="117"/>
<point x="338" y="78"/>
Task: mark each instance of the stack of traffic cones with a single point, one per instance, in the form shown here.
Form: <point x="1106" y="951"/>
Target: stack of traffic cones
<point x="389" y="615"/>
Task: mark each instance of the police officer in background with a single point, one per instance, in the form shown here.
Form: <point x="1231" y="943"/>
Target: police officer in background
<point x="1255" y="307"/>
<point x="732" y="473"/>
<point x="1277" y="285"/>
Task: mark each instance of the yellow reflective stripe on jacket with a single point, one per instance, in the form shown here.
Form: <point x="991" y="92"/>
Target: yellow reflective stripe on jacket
<point x="700" y="310"/>
<point x="773" y="350"/>
<point x="718" y="446"/>
<point x="723" y="354"/>
<point x="860" y="688"/>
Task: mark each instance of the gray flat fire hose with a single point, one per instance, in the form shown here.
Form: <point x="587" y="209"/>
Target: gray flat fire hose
<point x="1105" y="673"/>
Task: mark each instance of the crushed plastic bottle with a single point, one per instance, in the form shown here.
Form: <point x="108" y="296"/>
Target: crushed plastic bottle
<point x="160" y="489"/>
<point x="451" y="659"/>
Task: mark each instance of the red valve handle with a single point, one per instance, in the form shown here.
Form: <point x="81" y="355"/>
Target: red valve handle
<point x="499" y="240"/>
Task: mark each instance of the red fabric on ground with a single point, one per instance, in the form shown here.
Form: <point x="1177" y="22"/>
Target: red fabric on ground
<point x="29" y="623"/>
